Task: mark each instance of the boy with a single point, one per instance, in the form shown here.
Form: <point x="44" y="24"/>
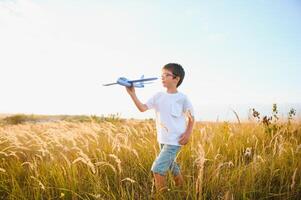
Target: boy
<point x="172" y="132"/>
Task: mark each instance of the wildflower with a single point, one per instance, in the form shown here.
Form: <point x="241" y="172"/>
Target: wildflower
<point x="248" y="152"/>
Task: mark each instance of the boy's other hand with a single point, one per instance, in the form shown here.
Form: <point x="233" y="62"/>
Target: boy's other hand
<point x="184" y="138"/>
<point x="130" y="90"/>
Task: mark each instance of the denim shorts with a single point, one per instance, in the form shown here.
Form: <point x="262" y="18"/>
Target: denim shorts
<point x="166" y="160"/>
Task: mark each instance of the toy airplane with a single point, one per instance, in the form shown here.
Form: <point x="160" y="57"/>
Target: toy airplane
<point x="139" y="83"/>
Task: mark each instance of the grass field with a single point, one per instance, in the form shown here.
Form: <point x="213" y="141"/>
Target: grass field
<point x="110" y="158"/>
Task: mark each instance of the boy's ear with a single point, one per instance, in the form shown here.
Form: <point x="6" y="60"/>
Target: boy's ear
<point x="177" y="78"/>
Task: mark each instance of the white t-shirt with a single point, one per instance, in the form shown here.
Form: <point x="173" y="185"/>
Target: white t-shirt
<point x="170" y="115"/>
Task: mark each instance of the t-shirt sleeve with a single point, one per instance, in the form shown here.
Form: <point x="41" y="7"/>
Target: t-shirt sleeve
<point x="151" y="103"/>
<point x="188" y="108"/>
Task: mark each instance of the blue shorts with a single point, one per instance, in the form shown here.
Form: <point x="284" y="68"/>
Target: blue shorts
<point x="166" y="160"/>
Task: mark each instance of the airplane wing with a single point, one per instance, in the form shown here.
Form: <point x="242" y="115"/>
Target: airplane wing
<point x="142" y="80"/>
<point x="109" y="84"/>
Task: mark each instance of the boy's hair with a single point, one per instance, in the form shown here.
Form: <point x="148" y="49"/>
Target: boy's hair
<point x="176" y="70"/>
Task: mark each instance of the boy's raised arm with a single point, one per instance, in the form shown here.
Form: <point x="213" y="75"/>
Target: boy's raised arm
<point x="131" y="91"/>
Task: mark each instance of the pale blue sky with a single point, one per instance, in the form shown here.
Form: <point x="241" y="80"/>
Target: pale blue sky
<point x="237" y="54"/>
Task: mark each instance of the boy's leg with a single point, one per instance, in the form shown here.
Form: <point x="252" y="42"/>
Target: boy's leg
<point x="162" y="164"/>
<point x="160" y="182"/>
<point x="177" y="175"/>
<point x="179" y="180"/>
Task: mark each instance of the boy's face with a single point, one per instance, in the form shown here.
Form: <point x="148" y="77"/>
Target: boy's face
<point x="169" y="79"/>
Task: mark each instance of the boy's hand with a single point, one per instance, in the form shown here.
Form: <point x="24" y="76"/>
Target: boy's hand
<point x="130" y="90"/>
<point x="184" y="138"/>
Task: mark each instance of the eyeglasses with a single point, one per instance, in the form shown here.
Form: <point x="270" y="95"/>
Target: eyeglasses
<point x="165" y="75"/>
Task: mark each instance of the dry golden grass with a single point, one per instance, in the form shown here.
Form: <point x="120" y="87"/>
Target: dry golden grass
<point x="112" y="160"/>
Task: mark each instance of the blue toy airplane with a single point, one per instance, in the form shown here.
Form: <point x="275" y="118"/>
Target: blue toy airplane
<point x="139" y="83"/>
